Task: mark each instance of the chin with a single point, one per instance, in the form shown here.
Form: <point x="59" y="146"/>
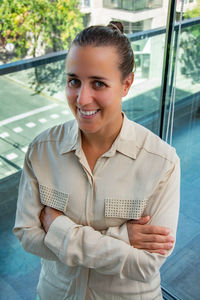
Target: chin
<point x="85" y="129"/>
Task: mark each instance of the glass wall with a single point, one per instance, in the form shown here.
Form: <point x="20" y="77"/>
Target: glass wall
<point x="33" y="99"/>
<point x="85" y="3"/>
<point x="180" y="274"/>
<point x="142" y="104"/>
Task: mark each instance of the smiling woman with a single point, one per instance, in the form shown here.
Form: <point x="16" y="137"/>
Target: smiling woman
<point x="94" y="89"/>
<point x="99" y="195"/>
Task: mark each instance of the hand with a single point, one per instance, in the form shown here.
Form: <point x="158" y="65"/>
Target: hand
<point x="48" y="215"/>
<point x="154" y="239"/>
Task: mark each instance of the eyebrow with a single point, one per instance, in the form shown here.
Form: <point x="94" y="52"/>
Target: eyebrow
<point x="91" y="77"/>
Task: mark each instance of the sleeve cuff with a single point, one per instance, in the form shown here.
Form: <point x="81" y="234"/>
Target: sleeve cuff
<point x="57" y="232"/>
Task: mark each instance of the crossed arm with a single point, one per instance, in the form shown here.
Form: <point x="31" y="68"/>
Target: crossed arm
<point x="77" y="245"/>
<point x="154" y="239"/>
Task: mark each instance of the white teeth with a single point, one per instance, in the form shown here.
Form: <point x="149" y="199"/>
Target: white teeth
<point x="88" y="112"/>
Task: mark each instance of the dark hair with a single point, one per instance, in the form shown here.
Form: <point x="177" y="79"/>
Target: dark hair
<point x="111" y="35"/>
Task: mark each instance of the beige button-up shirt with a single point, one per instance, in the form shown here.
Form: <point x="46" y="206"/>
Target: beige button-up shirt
<point x="86" y="253"/>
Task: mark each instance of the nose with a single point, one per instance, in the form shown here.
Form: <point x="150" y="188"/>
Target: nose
<point x="84" y="95"/>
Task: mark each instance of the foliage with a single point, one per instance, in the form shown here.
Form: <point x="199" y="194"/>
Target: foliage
<point x="34" y="24"/>
<point x="13" y="24"/>
<point x="190" y="44"/>
<point x="193" y="13"/>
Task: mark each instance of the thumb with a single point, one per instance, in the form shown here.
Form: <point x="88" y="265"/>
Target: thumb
<point x="141" y="221"/>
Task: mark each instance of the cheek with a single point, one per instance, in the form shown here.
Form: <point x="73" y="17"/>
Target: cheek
<point x="110" y="99"/>
<point x="106" y="98"/>
<point x="70" y="95"/>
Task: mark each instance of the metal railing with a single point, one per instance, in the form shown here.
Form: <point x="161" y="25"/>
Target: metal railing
<point x="61" y="55"/>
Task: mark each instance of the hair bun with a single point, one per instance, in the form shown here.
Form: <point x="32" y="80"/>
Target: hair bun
<point x="116" y="25"/>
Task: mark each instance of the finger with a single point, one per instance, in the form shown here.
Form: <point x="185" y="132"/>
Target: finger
<point x="157" y="238"/>
<point x="141" y="221"/>
<point x="41" y="214"/>
<point x="152" y="229"/>
<point x="155" y="246"/>
<point x="160" y="251"/>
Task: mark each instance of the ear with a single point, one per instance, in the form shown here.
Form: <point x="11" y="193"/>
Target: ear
<point x="127" y="82"/>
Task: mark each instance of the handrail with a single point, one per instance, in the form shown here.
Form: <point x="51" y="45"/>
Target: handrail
<point x="25" y="64"/>
<point x="153" y="32"/>
<point x="61" y="55"/>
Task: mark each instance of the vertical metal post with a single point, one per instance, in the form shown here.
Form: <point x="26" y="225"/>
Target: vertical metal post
<point x="173" y="62"/>
<point x="166" y="61"/>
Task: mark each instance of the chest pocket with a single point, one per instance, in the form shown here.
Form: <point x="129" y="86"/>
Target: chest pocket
<point x="124" y="209"/>
<point x="53" y="198"/>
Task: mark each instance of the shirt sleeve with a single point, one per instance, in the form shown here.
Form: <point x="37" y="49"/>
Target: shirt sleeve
<point x="27" y="226"/>
<point x="77" y="245"/>
<point x="118" y="232"/>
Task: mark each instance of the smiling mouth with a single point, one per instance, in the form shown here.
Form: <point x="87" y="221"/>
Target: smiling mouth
<point x="88" y="112"/>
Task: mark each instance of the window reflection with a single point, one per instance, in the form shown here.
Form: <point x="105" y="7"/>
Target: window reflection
<point x="133" y="5"/>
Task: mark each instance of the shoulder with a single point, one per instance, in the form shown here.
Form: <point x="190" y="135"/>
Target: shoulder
<point x="152" y="144"/>
<point x="55" y="134"/>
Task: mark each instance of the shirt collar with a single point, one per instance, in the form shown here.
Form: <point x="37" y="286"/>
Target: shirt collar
<point x="125" y="142"/>
<point x="71" y="138"/>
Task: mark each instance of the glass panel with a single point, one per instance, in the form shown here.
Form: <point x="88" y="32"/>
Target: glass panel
<point x="112" y="3"/>
<point x="142" y="104"/>
<point x="154" y="3"/>
<point x="127" y="4"/>
<point x="84" y="3"/>
<point x="140" y="4"/>
<point x="25" y="113"/>
<point x="133" y="5"/>
<point x="180" y="275"/>
<point x="133" y="17"/>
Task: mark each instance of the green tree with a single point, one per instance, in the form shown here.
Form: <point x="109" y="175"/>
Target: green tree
<point x="13" y="25"/>
<point x="190" y="44"/>
<point x="25" y="23"/>
<point x="193" y="13"/>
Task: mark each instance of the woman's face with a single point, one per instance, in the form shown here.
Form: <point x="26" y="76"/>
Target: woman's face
<point x="94" y="88"/>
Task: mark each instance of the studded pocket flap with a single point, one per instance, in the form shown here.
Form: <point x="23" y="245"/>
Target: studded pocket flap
<point x="125" y="209"/>
<point x="53" y="198"/>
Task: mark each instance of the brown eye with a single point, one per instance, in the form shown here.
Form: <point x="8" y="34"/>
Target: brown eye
<point x="74" y="83"/>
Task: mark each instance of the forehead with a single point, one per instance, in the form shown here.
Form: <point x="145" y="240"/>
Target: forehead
<point x="89" y="59"/>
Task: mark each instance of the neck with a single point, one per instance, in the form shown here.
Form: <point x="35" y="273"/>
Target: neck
<point x="101" y="140"/>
